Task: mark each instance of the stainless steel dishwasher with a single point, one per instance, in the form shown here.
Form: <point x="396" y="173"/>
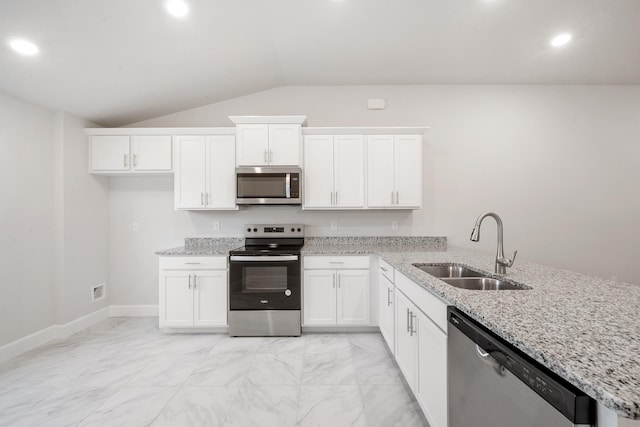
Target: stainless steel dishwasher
<point x="492" y="384"/>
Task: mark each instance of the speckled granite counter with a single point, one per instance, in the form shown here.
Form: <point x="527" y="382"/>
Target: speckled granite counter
<point x="585" y="329"/>
<point x="204" y="247"/>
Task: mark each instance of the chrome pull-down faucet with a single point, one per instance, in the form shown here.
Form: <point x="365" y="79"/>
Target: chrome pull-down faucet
<point x="501" y="262"/>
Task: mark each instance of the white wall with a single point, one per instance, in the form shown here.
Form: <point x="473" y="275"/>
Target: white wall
<point x="55" y="221"/>
<point x="558" y="163"/>
<point x="83" y="223"/>
<point x="26" y="219"/>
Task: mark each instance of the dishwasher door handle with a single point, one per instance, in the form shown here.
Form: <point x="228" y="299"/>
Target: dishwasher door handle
<point x="487" y="359"/>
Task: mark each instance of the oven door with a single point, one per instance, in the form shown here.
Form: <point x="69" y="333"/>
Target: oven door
<point x="264" y="282"/>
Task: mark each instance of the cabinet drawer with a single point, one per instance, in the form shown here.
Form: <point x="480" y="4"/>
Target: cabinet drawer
<point x="336" y="262"/>
<point x="386" y="270"/>
<point x="429" y="304"/>
<point x="193" y="263"/>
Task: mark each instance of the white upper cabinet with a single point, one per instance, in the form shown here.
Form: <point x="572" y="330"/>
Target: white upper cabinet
<point x="394" y="171"/>
<point x="284" y="144"/>
<point x="334" y="172"/>
<point x="113" y="154"/>
<point x="268" y="144"/>
<point x="151" y="153"/>
<point x="110" y="153"/>
<point x="205" y="172"/>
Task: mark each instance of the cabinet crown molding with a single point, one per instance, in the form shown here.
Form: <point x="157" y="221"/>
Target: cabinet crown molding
<point x="272" y="120"/>
<point x="364" y="130"/>
<point x="162" y="131"/>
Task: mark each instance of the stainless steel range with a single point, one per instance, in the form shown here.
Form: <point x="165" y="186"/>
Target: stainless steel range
<point x="264" y="281"/>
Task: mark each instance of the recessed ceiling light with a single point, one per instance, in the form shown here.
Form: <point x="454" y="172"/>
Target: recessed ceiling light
<point x="177" y="8"/>
<point x="561" y="40"/>
<point x="24" y="47"/>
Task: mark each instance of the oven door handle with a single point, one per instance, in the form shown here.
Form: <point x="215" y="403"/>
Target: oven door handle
<point x="264" y="258"/>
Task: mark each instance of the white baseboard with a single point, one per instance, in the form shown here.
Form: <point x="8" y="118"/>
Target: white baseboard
<point x="133" y="311"/>
<point x="339" y="329"/>
<point x="16" y="348"/>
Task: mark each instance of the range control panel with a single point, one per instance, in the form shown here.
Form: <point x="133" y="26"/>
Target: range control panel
<point x="274" y="230"/>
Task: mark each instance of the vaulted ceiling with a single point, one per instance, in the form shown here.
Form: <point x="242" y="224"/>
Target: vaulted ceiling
<point x="121" y="61"/>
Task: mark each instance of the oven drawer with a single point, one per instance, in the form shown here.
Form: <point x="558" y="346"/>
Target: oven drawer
<point x="193" y="263"/>
<point x="336" y="262"/>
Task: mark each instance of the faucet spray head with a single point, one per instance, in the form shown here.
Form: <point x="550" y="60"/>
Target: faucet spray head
<point x="475" y="233"/>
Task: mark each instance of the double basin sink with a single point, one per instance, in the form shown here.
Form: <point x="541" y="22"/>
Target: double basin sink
<point x="467" y="278"/>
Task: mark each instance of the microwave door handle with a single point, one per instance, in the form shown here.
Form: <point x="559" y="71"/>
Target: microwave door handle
<point x="287" y="186"/>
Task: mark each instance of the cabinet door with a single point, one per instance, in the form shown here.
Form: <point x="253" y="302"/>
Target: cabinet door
<point x="176" y="299"/>
<point x="110" y="153"/>
<point x="353" y="297"/>
<point x="318" y="171"/>
<point x="319" y="297"/>
<point x="252" y="148"/>
<point x="221" y="172"/>
<point x="152" y="153"/>
<point x="386" y="312"/>
<point x="380" y="171"/>
<point x="408" y="170"/>
<point x="210" y="298"/>
<point x="348" y="171"/>
<point x="284" y="145"/>
<point x="432" y="371"/>
<point x="405" y="340"/>
<point x="191" y="172"/>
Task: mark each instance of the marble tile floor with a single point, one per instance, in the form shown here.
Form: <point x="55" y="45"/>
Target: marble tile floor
<point x="126" y="372"/>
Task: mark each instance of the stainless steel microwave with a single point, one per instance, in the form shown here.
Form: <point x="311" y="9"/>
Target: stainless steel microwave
<point x="268" y="186"/>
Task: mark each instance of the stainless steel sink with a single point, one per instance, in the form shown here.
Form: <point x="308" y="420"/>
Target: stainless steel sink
<point x="483" y="284"/>
<point x="466" y="278"/>
<point x="448" y="270"/>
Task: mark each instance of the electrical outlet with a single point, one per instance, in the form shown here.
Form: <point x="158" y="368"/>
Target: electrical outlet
<point x="394" y="225"/>
<point x="136" y="226"/>
<point x="216" y="225"/>
<point x="334" y="225"/>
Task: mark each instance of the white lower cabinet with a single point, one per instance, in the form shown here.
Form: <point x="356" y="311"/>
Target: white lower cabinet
<point x="386" y="304"/>
<point x="406" y="339"/>
<point x="432" y="370"/>
<point x="336" y="291"/>
<point x="421" y="347"/>
<point x="193" y="292"/>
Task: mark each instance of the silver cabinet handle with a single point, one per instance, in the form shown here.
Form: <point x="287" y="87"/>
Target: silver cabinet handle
<point x="135" y="160"/>
<point x="126" y="161"/>
<point x="408" y="327"/>
<point x="336" y="198"/>
<point x="392" y="197"/>
<point x="334" y="280"/>
<point x="191" y="263"/>
<point x="270" y="156"/>
<point x="195" y="284"/>
<point x="336" y="262"/>
<point x="388" y="297"/>
<point x="397" y="197"/>
<point x="201" y="199"/>
<point x="189" y="281"/>
<point x="338" y="279"/>
<point x="413" y="331"/>
<point x="265" y="156"/>
<point x="332" y="198"/>
<point x="206" y="198"/>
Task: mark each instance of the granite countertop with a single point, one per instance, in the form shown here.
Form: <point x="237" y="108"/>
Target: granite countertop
<point x="583" y="328"/>
<point x="204" y="247"/>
